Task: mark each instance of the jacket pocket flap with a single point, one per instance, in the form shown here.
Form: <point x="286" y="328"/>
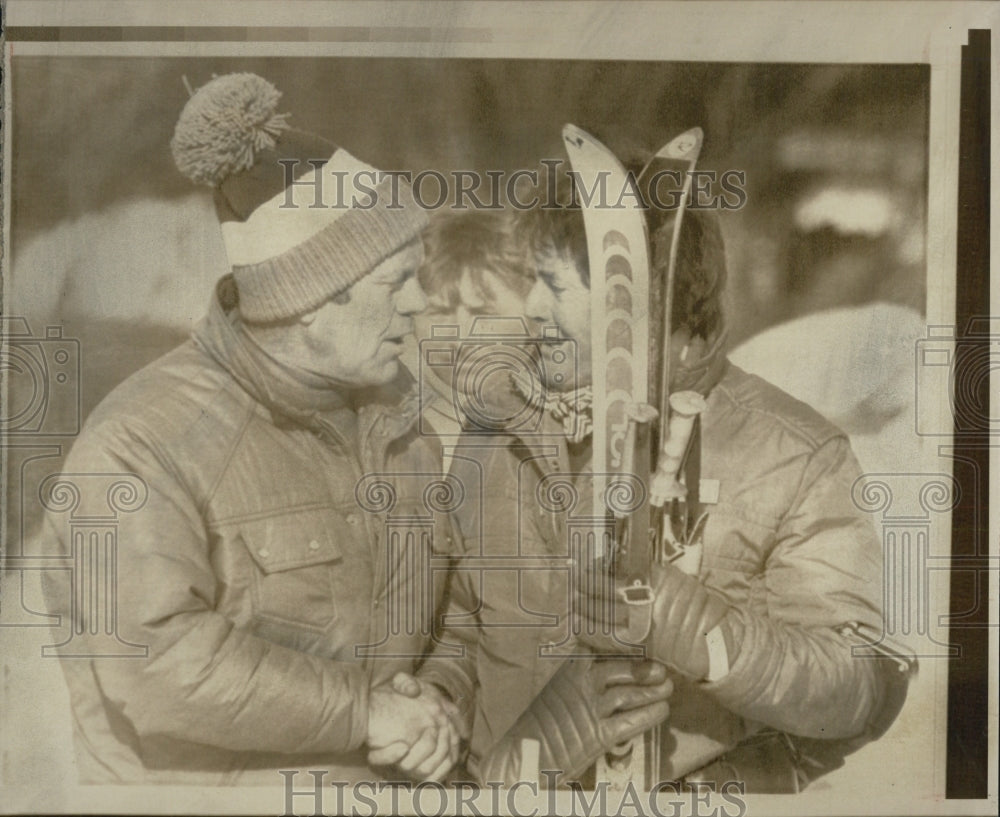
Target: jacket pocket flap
<point x="292" y="540"/>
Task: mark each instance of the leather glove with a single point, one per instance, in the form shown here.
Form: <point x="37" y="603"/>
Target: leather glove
<point x="684" y="612"/>
<point x="588" y="707"/>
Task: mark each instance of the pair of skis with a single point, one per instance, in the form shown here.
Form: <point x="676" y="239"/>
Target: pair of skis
<point x="623" y="407"/>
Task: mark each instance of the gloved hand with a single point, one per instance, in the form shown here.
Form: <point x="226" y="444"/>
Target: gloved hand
<point x="588" y="707"/>
<point x="684" y="611"/>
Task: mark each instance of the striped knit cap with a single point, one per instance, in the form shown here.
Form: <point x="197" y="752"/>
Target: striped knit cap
<point x="287" y="255"/>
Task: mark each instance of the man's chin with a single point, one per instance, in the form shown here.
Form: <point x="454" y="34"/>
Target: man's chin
<point x="390" y="372"/>
<point x="384" y="375"/>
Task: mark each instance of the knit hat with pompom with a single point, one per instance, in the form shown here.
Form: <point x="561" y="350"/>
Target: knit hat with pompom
<point x="288" y="255"/>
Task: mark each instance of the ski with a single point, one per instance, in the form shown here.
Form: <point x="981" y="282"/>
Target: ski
<point x="618" y="255"/>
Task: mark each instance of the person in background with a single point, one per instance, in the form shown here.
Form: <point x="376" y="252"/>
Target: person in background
<point x="475" y="277"/>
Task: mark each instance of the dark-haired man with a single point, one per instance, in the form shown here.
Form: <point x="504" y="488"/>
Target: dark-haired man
<point x="765" y="685"/>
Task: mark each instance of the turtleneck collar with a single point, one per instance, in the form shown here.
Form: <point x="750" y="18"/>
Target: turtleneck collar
<point x="702" y="363"/>
<point x="288" y="391"/>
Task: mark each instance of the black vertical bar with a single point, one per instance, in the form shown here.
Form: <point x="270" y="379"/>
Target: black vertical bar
<point x="968" y="683"/>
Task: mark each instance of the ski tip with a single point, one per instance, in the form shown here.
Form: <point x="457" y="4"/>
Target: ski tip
<point x="576" y="137"/>
<point x="685" y="146"/>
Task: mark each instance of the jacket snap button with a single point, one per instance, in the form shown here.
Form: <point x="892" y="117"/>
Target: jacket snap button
<point x="263" y="553"/>
<point x="352" y="519"/>
<point x="313" y="545"/>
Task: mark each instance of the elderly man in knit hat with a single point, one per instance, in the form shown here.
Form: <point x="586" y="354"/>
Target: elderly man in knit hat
<point x="256" y="573"/>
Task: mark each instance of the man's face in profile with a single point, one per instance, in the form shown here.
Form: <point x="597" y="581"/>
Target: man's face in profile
<point x="560" y="297"/>
<point x="357" y="343"/>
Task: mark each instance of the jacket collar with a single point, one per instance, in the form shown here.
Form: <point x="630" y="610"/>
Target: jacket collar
<point x="705" y="363"/>
<point x="296" y="396"/>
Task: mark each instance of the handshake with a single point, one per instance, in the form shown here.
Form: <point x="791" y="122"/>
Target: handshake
<point x="414" y="726"/>
<point x="587" y="707"/>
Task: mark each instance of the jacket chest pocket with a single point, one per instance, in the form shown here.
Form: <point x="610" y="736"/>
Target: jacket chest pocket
<point x="295" y="556"/>
<point x="737" y="544"/>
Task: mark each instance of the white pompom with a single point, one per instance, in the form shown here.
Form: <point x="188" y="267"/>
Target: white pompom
<point x="224" y="125"/>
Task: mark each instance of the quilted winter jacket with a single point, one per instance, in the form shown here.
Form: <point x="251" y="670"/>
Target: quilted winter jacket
<point x="259" y="572"/>
<point x="784" y="545"/>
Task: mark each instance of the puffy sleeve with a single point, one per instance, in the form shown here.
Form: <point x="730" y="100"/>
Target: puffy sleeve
<point x="793" y="671"/>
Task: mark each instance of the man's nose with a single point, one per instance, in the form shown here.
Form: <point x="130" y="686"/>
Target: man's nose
<point x="411" y="299"/>
<point x="538" y="304"/>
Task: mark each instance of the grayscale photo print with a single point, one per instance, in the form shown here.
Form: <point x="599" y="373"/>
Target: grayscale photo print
<point x="502" y="407"/>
